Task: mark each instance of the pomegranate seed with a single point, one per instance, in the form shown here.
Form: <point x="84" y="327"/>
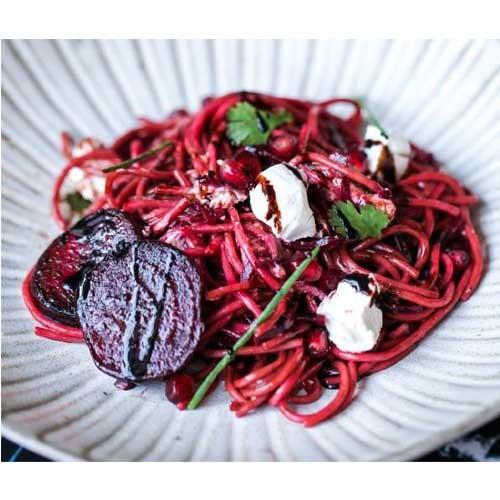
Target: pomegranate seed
<point x="459" y="257"/>
<point x="250" y="161"/>
<point x="357" y="159"/>
<point x="179" y="388"/>
<point x="312" y="272"/>
<point x="317" y="343"/>
<point x="283" y="146"/>
<point x="232" y="172"/>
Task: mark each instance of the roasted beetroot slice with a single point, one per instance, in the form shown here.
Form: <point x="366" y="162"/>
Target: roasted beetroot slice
<point x="57" y="274"/>
<point x="140" y="311"/>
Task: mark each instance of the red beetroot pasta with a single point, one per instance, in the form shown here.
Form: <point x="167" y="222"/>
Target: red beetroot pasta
<point x="193" y="194"/>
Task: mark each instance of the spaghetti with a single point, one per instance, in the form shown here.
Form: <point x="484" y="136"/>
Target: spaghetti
<point x="192" y="194"/>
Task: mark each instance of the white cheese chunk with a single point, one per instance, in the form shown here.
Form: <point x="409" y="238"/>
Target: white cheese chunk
<point x="280" y="200"/>
<point x="352" y="319"/>
<point x="91" y="187"/>
<point x="401" y="152"/>
<point x="380" y="150"/>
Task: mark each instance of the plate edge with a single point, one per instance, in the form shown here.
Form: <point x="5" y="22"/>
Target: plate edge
<point x="412" y="452"/>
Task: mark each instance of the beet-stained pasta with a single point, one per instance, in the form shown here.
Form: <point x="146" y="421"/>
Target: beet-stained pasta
<point x="246" y="188"/>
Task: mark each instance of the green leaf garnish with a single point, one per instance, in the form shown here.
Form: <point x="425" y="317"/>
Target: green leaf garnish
<point x="77" y="202"/>
<point x="337" y="222"/>
<point x="243" y="340"/>
<point x="368" y="222"/>
<point x="249" y="126"/>
<point x="137" y="159"/>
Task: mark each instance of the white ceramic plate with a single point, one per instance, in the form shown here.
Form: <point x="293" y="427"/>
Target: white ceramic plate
<point x="444" y="95"/>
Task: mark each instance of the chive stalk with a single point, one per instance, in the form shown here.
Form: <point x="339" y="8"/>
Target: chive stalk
<point x="127" y="163"/>
<point x="244" y="339"/>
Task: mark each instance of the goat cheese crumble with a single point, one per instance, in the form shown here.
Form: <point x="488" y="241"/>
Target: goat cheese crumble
<point x="280" y="201"/>
<point x="387" y="157"/>
<point x="353" y="320"/>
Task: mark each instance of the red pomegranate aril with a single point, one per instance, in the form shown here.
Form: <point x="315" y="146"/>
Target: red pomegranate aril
<point x="317" y="343"/>
<point x="357" y="160"/>
<point x="283" y="146"/>
<point x="232" y="173"/>
<point x="313" y="271"/>
<point x="179" y="388"/>
<point x="250" y="161"/>
<point x="459" y="257"/>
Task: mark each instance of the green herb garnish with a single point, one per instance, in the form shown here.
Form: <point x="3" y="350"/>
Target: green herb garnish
<point x="337" y="222"/>
<point x="131" y="161"/>
<point x="77" y="202"/>
<point x="367" y="222"/>
<point x="249" y="126"/>
<point x="243" y="340"/>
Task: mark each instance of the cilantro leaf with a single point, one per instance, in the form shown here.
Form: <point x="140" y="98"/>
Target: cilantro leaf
<point x="337" y="222"/>
<point x="77" y="202"/>
<point x="249" y="126"/>
<point x="367" y="222"/>
<point x="276" y="119"/>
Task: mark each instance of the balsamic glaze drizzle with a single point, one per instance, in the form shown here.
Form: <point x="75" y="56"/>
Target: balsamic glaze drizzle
<point x="137" y="349"/>
<point x="273" y="211"/>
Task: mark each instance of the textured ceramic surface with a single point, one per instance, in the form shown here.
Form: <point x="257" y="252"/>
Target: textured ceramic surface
<point x="444" y="95"/>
